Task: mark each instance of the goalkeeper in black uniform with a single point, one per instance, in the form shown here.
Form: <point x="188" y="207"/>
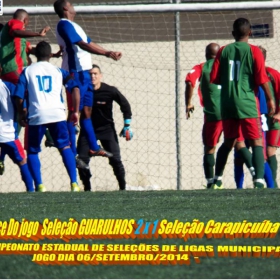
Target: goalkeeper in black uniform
<point x="103" y="123"/>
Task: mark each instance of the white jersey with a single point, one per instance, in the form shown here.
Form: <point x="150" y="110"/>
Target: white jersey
<point x="7" y="113"/>
<point x="74" y="59"/>
<point x="43" y="82"/>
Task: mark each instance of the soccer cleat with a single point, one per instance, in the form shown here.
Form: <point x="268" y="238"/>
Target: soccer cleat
<point x="2" y="167"/>
<point x="100" y="153"/>
<point x="216" y="187"/>
<point x="75" y="187"/>
<point x="41" y="188"/>
<point x="81" y="164"/>
<point x="49" y="144"/>
<point x="259" y="184"/>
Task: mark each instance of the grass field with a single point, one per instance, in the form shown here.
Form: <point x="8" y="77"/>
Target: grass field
<point x="222" y="206"/>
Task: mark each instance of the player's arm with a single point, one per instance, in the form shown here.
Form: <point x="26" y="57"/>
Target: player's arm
<point x="125" y="107"/>
<point x="188" y="97"/>
<point x="27" y="34"/>
<point x="261" y="78"/>
<point x="191" y="79"/>
<point x="96" y="49"/>
<point x="69" y="35"/>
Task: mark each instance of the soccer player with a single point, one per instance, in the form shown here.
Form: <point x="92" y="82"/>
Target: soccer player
<point x="9" y="142"/>
<point x="210" y="96"/>
<point x="239" y="69"/>
<point x="77" y="49"/>
<point x="14" y="47"/>
<point x="102" y="118"/>
<point x="43" y="83"/>
<point x="273" y="133"/>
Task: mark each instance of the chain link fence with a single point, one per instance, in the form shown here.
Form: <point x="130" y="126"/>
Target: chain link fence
<point x="146" y="76"/>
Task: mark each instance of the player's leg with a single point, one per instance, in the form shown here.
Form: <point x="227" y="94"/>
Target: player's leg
<point x="242" y="155"/>
<point x="273" y="139"/>
<point x="252" y="130"/>
<point x="231" y="133"/>
<point x="83" y="150"/>
<point x="60" y="136"/>
<point x="109" y="141"/>
<point x="86" y="102"/>
<point x="210" y="135"/>
<point x="16" y="152"/>
<point x="35" y="136"/>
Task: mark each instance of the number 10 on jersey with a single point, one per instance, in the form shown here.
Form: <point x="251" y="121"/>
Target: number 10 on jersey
<point x="45" y="83"/>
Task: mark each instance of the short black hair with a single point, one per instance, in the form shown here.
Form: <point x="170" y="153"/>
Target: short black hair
<point x="19" y="13"/>
<point x="43" y="50"/>
<point x="96" y="66"/>
<point x="58" y="7"/>
<point x="241" y="27"/>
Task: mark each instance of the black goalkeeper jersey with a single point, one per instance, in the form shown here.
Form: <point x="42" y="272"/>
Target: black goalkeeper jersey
<point x="102" y="109"/>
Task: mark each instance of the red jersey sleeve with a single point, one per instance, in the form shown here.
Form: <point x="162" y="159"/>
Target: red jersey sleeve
<point x="215" y="73"/>
<point x="260" y="75"/>
<point x="194" y="75"/>
<point x="15" y="24"/>
<point x="276" y="83"/>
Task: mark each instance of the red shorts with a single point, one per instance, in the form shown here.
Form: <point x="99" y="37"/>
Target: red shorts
<point x="12" y="77"/>
<point x="211" y="133"/>
<point x="251" y="129"/>
<point x="273" y="138"/>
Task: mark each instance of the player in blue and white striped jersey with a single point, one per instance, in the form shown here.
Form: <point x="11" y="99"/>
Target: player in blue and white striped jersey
<point x="9" y="142"/>
<point x="77" y="48"/>
<point x="43" y="83"/>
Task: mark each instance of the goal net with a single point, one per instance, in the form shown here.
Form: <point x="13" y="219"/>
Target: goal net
<point x="166" y="151"/>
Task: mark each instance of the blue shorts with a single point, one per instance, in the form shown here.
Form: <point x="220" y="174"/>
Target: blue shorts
<point x="58" y="131"/>
<point x="86" y="90"/>
<point x="14" y="150"/>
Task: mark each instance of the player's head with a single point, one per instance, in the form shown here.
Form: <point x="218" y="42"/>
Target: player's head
<point x="22" y="15"/>
<point x="96" y="76"/>
<point x="241" y="29"/>
<point x="63" y="8"/>
<point x="211" y="50"/>
<point x="263" y="51"/>
<point x="43" y="51"/>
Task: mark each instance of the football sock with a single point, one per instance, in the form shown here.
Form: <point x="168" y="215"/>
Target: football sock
<point x="272" y="161"/>
<point x="246" y="156"/>
<point x="26" y="177"/>
<point x="268" y="177"/>
<point x="34" y="166"/>
<point x="87" y="127"/>
<point x="72" y="137"/>
<point x="222" y="156"/>
<point x="258" y="161"/>
<point x="208" y="165"/>
<point x="69" y="163"/>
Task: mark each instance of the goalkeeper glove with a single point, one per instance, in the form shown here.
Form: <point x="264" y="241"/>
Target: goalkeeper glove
<point x="126" y="131"/>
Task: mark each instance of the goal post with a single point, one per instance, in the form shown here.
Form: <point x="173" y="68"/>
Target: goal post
<point x="159" y="49"/>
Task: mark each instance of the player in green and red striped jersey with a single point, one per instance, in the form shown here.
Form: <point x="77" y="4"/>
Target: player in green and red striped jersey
<point x="209" y="95"/>
<point x="14" y="47"/>
<point x="239" y="68"/>
<point x="273" y="133"/>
